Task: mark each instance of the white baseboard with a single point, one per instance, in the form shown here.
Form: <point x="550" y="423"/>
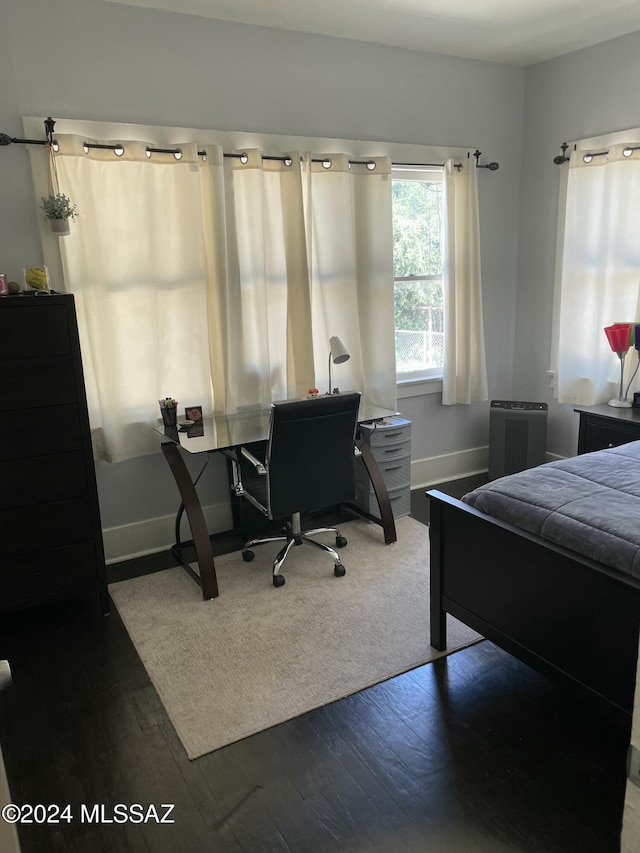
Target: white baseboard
<point x="426" y="473"/>
<point x="151" y="535"/>
<point x="449" y="466"/>
<point x="157" y="534"/>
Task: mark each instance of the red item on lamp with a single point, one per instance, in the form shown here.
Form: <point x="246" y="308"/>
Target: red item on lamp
<point x="619" y="336"/>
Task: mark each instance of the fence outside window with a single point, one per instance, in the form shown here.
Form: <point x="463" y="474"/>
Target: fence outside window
<point x="421" y="348"/>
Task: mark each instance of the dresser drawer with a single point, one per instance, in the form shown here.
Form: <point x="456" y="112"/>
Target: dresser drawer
<point x="47" y="525"/>
<point x="399" y="499"/>
<point x="28" y="330"/>
<point x="42" y="479"/>
<point x="34" y="432"/>
<point x="395" y="472"/>
<point x="45" y="381"/>
<point x="600" y="433"/>
<point x="600" y="436"/>
<point x="393" y="431"/>
<point x="44" y="574"/>
<point x="390" y="452"/>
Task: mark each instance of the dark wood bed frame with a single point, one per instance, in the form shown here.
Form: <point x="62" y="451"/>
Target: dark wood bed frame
<point x="567" y="616"/>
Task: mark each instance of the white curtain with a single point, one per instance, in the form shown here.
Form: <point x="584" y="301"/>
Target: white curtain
<point x="219" y="280"/>
<point x="135" y="263"/>
<point x="257" y="280"/>
<point x="600" y="272"/>
<point x="350" y="246"/>
<point x="465" y="371"/>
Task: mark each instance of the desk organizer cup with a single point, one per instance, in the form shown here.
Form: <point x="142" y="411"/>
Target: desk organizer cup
<point x="169" y="411"/>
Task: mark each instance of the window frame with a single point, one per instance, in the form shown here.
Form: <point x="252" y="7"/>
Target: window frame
<point x="425" y="380"/>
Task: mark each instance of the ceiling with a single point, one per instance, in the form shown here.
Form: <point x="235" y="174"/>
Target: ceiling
<point x="517" y="32"/>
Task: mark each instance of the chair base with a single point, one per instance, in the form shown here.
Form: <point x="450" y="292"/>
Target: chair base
<point x="296" y="536"/>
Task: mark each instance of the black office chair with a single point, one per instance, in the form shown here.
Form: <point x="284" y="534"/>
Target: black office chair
<point x="309" y="464"/>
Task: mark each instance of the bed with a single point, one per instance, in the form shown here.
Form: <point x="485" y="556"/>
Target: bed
<point x="546" y="564"/>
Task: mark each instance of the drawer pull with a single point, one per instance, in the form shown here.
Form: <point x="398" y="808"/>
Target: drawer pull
<point x="393" y="467"/>
<point x="389" y="435"/>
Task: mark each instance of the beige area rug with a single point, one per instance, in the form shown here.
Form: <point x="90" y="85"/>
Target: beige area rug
<point x="257" y="656"/>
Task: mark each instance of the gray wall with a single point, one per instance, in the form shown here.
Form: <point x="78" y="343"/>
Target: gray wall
<point x="586" y="93"/>
<point x="103" y="61"/>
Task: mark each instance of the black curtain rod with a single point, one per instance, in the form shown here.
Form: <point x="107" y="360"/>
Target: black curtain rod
<point x="588" y="156"/>
<point x="119" y="148"/>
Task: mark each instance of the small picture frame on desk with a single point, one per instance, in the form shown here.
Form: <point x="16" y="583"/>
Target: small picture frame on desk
<point x="636" y="400"/>
<point x="193" y="413"/>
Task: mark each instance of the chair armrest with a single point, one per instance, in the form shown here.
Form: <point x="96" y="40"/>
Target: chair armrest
<point x="257" y="464"/>
<point x="5" y="674"/>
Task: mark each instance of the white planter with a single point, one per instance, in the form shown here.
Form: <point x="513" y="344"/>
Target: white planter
<point x="60" y="227"/>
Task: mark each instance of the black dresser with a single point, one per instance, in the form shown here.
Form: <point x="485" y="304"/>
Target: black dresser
<point x="605" y="426"/>
<point x="50" y="535"/>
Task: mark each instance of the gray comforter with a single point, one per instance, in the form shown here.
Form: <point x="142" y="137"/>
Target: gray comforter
<point x="589" y="503"/>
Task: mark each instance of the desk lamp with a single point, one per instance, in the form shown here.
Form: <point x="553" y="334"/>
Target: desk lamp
<point x="619" y="337"/>
<point x="337" y="354"/>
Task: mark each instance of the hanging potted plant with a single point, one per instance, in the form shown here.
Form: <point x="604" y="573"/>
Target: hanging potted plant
<point x="59" y="210"/>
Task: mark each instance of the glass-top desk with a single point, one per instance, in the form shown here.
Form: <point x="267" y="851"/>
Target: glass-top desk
<point x="224" y="433"/>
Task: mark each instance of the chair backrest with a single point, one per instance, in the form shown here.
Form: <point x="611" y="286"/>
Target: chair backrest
<point x="310" y="453"/>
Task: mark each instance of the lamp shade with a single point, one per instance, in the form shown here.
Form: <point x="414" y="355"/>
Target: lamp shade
<point x="338" y="351"/>
<point x="619" y="336"/>
<point x="632" y="338"/>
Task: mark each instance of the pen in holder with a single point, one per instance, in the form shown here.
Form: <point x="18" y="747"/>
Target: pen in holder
<point x="169" y="411"/>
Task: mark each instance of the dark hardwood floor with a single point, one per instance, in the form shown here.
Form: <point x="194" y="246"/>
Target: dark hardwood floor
<point x="474" y="753"/>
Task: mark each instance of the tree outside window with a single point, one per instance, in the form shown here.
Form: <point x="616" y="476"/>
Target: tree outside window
<point x="417" y="268"/>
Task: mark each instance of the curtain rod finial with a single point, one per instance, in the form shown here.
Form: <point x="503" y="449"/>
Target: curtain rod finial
<point x="562" y="158"/>
<point x="49" y="124"/>
<point x="492" y="167"/>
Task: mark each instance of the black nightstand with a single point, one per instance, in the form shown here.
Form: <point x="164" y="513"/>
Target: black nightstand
<point x="604" y="426"/>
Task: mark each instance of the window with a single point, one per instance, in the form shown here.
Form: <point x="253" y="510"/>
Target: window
<point x="417" y="271"/>
<point x="598" y="282"/>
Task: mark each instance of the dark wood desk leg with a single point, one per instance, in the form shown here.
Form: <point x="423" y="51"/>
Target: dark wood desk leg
<point x="195" y="516"/>
<point x="380" y="488"/>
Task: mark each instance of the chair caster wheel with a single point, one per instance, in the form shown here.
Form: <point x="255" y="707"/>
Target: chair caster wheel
<point x="340" y="541"/>
<point x="339" y="571"/>
<point x="247" y="556"/>
<point x="278" y="580"/>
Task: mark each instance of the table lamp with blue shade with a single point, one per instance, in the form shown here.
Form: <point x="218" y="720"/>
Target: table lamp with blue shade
<point x="619" y="337"/>
<point x="337" y="354"/>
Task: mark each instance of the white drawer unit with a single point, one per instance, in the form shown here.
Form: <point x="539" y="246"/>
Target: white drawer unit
<point x="390" y="443"/>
